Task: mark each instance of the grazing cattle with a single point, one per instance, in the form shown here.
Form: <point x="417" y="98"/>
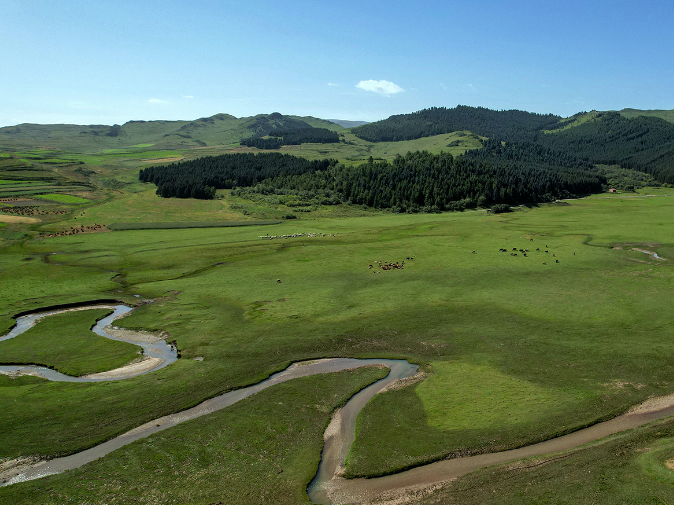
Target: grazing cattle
<point x="278" y="280"/>
<point x="514" y="248"/>
<point x="538" y="249"/>
<point x="556" y="261"/>
<point x="474" y="252"/>
<point x="369" y="267"/>
<point x="553" y="254"/>
<point x="546" y="251"/>
<point x="525" y="254"/>
<point x="544" y="263"/>
<point x="531" y="240"/>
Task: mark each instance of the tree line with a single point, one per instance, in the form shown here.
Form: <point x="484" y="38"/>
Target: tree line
<point x="274" y="139"/>
<point x="416" y="181"/>
<point x="200" y="178"/>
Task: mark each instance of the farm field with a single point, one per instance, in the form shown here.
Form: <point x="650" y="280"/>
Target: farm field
<point x="514" y="349"/>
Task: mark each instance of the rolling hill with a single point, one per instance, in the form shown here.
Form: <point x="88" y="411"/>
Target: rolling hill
<point x="220" y="129"/>
<point x="636" y="140"/>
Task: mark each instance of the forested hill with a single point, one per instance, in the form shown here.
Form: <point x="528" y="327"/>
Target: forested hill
<point x="506" y="125"/>
<point x="641" y="142"/>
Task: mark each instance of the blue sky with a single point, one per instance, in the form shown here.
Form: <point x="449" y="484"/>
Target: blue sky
<point x="107" y="62"/>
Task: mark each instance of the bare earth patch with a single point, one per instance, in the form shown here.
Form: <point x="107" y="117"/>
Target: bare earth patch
<point x="653" y="405"/>
<point x="135" y="368"/>
<point x="133" y="336"/>
<point x="4" y="218"/>
<point x="403" y="383"/>
<point x="407" y="494"/>
<point x="670" y="464"/>
<point x="11" y="467"/>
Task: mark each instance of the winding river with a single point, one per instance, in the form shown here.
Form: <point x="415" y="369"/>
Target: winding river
<point x="328" y="487"/>
<point x="160" y="353"/>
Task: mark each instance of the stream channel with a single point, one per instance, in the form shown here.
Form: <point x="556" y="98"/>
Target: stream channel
<point x="328" y="486"/>
<point x="157" y="349"/>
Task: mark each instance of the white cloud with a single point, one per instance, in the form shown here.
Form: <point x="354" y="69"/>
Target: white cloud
<point x="332" y="84"/>
<point x="156" y="100"/>
<point x="443" y="86"/>
<point x="385" y="88"/>
<point x="188" y="96"/>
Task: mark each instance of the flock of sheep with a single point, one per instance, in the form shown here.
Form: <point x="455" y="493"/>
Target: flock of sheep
<point x="297" y="235"/>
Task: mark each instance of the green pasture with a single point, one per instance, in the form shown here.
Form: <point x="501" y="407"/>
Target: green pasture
<point x="63" y="198"/>
<point x="187" y="224"/>
<point x="514" y="350"/>
<point x="264" y="449"/>
<point x="627" y="468"/>
<point x="66" y="343"/>
<point x="142" y="208"/>
<point x="355" y="150"/>
<point x="598" y="317"/>
<point x="15" y="183"/>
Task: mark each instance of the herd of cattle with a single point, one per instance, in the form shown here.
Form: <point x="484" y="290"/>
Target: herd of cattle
<point x="524" y="252"/>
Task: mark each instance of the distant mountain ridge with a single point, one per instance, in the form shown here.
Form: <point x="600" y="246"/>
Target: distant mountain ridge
<point x="347" y="123"/>
<point x="633" y="139"/>
<point x="220" y="129"/>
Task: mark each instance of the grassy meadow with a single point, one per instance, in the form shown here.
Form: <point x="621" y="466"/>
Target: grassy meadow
<point x="632" y="467"/>
<point x="515" y="349"/>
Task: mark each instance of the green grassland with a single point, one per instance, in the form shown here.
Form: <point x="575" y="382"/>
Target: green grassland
<point x="633" y="467"/>
<point x="598" y="318"/>
<point x="514" y="350"/>
<point x="63" y="198"/>
<point x="667" y="115"/>
<point x="263" y="449"/>
<point x="66" y="343"/>
<point x="576" y="120"/>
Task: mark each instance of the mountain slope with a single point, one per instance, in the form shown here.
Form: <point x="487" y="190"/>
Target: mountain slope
<point x="642" y="142"/>
<point x="667" y="115"/>
<point x="507" y="124"/>
<point x="215" y="130"/>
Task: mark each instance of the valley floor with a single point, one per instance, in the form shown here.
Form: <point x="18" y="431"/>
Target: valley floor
<point x="515" y="349"/>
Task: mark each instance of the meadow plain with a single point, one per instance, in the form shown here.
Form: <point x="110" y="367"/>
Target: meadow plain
<point x="514" y="349"/>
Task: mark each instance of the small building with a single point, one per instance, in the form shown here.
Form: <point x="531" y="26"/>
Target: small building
<point x="612" y="190"/>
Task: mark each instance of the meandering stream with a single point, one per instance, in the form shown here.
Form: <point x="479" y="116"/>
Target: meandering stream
<point x="163" y="353"/>
<point x="328" y="486"/>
